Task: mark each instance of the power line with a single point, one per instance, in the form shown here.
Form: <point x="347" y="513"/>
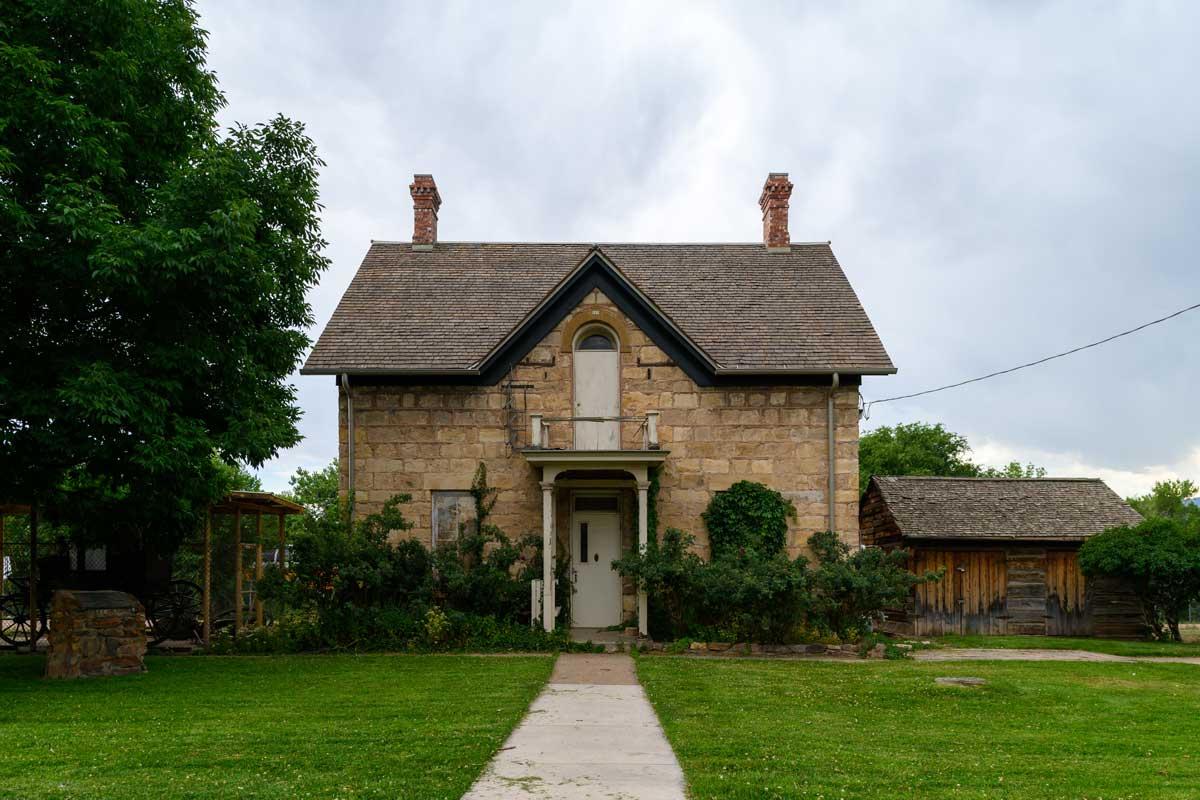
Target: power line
<point x="867" y="406"/>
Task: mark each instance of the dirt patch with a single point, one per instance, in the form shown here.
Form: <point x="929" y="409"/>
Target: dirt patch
<point x="613" y="670"/>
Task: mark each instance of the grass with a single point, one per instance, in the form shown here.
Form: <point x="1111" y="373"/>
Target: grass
<point x="762" y="729"/>
<point x="1116" y="647"/>
<point x="262" y="727"/>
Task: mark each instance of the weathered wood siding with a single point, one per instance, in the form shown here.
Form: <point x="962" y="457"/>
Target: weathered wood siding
<point x="876" y="526"/>
<point x="1006" y="589"/>
<point x="1067" y="608"/>
<point x="969" y="598"/>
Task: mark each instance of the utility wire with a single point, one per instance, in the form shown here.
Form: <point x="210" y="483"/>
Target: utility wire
<point x="866" y="412"/>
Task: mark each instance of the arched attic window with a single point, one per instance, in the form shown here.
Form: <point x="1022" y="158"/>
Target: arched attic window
<point x="597" y="339"/>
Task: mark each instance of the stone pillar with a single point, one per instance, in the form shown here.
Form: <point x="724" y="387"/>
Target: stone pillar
<point x="643" y="542"/>
<point x="548" y="555"/>
<point x="95" y="633"/>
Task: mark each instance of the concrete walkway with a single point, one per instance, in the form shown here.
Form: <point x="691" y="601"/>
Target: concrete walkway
<point x="591" y="733"/>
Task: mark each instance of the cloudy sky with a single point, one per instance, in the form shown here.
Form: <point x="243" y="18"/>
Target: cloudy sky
<point x="999" y="181"/>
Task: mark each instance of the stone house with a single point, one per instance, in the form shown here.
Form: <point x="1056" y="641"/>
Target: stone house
<point x="1008" y="548"/>
<point x="577" y="372"/>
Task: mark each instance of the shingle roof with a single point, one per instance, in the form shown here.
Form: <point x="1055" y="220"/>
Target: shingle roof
<point x="745" y="308"/>
<point x="1003" y="508"/>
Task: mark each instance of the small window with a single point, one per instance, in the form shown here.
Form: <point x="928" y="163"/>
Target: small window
<point x="597" y="340"/>
<point x="591" y="502"/>
<point x="95" y="559"/>
<point x="451" y="511"/>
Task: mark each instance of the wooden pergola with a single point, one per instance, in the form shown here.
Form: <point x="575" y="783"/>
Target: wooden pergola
<point x="237" y="504"/>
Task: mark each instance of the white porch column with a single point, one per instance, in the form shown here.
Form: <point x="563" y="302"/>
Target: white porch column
<point x="548" y="555"/>
<point x="643" y="541"/>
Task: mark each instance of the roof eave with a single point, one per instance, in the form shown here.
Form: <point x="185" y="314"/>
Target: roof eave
<point x="806" y="371"/>
<point x="376" y="371"/>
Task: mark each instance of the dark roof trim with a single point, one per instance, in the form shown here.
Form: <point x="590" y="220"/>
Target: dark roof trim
<point x="596" y="271"/>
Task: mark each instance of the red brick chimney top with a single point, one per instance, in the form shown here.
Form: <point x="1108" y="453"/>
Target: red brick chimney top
<point x="774" y="204"/>
<point x="426" y="202"/>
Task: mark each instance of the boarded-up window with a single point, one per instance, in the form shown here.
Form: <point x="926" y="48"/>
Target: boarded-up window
<point x="451" y="511"/>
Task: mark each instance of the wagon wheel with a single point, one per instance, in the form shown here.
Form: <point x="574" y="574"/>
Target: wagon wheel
<point x="174" y="613"/>
<point x="16" y="627"/>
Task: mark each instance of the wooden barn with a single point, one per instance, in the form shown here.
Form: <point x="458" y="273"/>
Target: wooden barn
<point x="1009" y="548"/>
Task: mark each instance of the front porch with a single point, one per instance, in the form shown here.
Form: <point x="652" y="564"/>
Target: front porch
<point x="593" y="481"/>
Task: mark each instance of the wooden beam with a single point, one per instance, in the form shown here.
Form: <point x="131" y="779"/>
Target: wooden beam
<point x="34" y="616"/>
<point x="282" y="542"/>
<point x="258" y="572"/>
<point x="207" y="601"/>
<point x="237" y="572"/>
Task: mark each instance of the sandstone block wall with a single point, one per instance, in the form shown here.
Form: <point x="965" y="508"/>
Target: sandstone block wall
<point x="417" y="439"/>
<point x="95" y="633"/>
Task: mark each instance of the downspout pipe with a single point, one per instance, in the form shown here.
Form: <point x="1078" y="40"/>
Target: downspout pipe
<point x="831" y="424"/>
<point x="349" y="446"/>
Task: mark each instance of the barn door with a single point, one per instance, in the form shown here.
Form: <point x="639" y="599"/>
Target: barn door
<point x="970" y="597"/>
<point x="938" y="610"/>
<point x="983" y="591"/>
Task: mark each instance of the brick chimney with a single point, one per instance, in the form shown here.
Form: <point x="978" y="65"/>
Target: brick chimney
<point x="426" y="202"/>
<point x="774" y="204"/>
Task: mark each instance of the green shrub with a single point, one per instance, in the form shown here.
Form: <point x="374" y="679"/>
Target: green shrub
<point x="1159" y="559"/>
<point x="851" y="587"/>
<point x="333" y="564"/>
<point x="668" y="572"/>
<point x="735" y="597"/>
<point x="753" y="598"/>
<point x="748" y="516"/>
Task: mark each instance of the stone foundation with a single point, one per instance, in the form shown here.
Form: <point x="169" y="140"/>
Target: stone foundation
<point x="94" y="634"/>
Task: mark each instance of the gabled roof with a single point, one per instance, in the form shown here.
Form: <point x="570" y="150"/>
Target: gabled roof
<point x="734" y="308"/>
<point x="1062" y="509"/>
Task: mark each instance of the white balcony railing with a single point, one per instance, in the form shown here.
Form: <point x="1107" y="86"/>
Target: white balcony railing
<point x="540" y="426"/>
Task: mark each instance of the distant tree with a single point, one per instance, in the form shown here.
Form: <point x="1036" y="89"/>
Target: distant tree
<point x="317" y="490"/>
<point x="1159" y="559"/>
<point x="1169" y="499"/>
<point x="918" y="448"/>
<point x="235" y="478"/>
<point x="1013" y="469"/>
<point x="153" y="270"/>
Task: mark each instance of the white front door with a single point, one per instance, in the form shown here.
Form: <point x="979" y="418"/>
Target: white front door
<point x="597" y="394"/>
<point x="595" y="544"/>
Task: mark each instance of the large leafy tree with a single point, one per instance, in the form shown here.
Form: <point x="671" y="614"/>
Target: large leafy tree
<point x="1159" y="559"/>
<point x="918" y="448"/>
<point x="152" y="269"/>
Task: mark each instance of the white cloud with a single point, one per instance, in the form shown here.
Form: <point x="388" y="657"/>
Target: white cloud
<point x="1125" y="482"/>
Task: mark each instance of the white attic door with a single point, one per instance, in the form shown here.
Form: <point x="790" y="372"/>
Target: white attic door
<point x="597" y="389"/>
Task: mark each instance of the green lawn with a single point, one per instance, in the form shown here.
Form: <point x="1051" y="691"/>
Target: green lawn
<point x="763" y="729"/>
<point x="248" y="727"/>
<point x="1116" y="647"/>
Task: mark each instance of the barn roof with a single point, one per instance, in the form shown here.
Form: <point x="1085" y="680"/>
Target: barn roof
<point x="1061" y="509"/>
<point x="741" y="308"/>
